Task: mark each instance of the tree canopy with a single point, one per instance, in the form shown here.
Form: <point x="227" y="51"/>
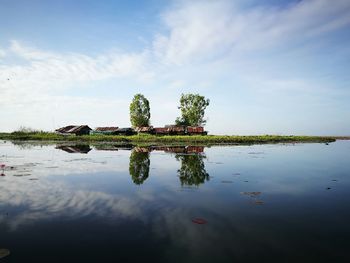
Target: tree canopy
<point x="140" y="111"/>
<point x="192" y="108"/>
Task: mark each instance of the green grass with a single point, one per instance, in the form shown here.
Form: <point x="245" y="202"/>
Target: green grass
<point x="146" y="139"/>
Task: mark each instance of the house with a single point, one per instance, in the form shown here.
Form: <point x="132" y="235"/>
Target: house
<point x="148" y="129"/>
<point x="176" y="130"/>
<point x="105" y="130"/>
<point x="196" y="130"/>
<point x="161" y="130"/>
<point x="74" y="129"/>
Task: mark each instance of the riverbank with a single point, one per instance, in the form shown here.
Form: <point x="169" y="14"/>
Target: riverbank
<point x="160" y="140"/>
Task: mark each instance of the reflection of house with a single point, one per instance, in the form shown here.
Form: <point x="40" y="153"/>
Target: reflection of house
<point x="182" y="149"/>
<point x="105" y="130"/>
<point x="74" y="129"/>
<point x="142" y="149"/>
<point x="112" y="147"/>
<point x="195" y="149"/>
<point x="172" y="149"/>
<point x="83" y="148"/>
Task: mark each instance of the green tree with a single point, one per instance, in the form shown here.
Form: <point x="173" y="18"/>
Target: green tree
<point x="140" y="111"/>
<point x="192" y="108"/>
<point x="192" y="171"/>
<point x="139" y="166"/>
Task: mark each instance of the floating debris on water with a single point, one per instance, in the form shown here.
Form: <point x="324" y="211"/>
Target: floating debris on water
<point x="20" y="175"/>
<point x="251" y="194"/>
<point x="199" y="221"/>
<point x="227" y="182"/>
<point x="76" y="160"/>
<point x="254" y="196"/>
<point x="4" y="252"/>
<point x="33" y="179"/>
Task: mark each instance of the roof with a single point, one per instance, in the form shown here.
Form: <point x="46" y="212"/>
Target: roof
<point x="144" y="129"/>
<point x="106" y="129"/>
<point x="72" y="128"/>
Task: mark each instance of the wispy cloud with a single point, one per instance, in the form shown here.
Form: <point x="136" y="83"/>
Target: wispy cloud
<point x="200" y="30"/>
<point x="42" y="66"/>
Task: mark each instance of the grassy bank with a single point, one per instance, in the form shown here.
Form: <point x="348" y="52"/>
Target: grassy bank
<point x="155" y="140"/>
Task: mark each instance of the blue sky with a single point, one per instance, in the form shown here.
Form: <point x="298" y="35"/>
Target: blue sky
<point x="268" y="67"/>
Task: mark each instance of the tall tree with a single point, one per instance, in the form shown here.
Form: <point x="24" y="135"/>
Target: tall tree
<point x="192" y="108"/>
<point x="140" y="111"/>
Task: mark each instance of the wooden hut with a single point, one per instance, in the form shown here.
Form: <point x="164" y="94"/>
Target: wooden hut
<point x="148" y="129"/>
<point x="74" y="129"/>
<point x="198" y="130"/>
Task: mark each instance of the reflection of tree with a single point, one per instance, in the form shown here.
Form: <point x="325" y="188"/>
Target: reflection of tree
<point x="192" y="171"/>
<point x="139" y="166"/>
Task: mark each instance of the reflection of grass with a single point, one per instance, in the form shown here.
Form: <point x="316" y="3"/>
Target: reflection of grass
<point x="157" y="139"/>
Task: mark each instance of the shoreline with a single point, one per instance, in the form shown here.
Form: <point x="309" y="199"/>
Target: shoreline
<point x="168" y="139"/>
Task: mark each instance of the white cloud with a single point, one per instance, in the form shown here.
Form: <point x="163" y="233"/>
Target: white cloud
<point x="42" y="66"/>
<point x="200" y="30"/>
<point x="45" y="72"/>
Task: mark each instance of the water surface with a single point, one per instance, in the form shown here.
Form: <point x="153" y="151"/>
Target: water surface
<point x="81" y="203"/>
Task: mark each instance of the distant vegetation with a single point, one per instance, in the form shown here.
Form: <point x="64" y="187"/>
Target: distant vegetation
<point x="27" y="130"/>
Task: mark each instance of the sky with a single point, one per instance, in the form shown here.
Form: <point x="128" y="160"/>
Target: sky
<point x="268" y="67"/>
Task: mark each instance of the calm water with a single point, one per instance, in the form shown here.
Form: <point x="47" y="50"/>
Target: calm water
<point x="273" y="203"/>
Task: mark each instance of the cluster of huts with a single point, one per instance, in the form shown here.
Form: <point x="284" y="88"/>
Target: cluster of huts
<point x="166" y="130"/>
<point x="169" y="149"/>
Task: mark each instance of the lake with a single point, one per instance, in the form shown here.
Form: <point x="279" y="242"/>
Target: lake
<point x="106" y="203"/>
